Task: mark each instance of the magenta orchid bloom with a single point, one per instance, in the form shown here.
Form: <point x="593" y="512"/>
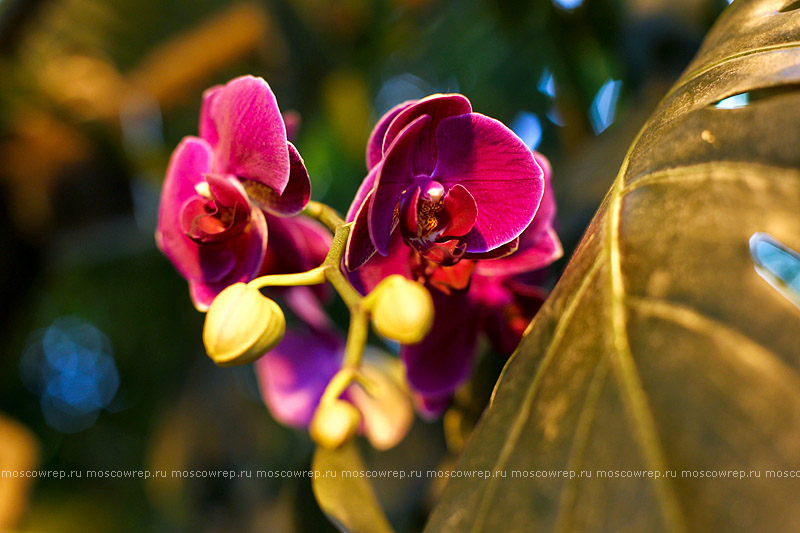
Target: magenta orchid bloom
<point x="219" y="186"/>
<point x="293" y="375"/>
<point x="455" y="184"/>
<point x="497" y="297"/>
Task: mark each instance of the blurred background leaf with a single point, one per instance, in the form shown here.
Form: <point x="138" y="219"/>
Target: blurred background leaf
<point x="661" y="348"/>
<point x="18" y="452"/>
<point x="343" y="494"/>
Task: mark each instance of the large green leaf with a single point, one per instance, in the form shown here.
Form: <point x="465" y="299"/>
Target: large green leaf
<point x="661" y="349"/>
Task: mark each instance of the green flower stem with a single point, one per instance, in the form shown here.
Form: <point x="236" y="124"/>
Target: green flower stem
<point x="325" y="214"/>
<point x="356" y="339"/>
<point x="314" y="276"/>
<point x="334" y="274"/>
<point x="331" y="271"/>
<point x="359" y="316"/>
<point x="337" y="385"/>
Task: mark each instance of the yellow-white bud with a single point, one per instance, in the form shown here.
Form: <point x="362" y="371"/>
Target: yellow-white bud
<point x="242" y="325"/>
<point x="401" y="309"/>
<point x="386" y="403"/>
<point x="334" y="423"/>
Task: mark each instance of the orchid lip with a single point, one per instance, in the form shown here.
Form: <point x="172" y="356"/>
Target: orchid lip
<point x="434" y="220"/>
<point x="206" y="220"/>
<point x="217" y="223"/>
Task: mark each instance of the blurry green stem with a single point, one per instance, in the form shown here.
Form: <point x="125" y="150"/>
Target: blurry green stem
<point x="334" y="273"/>
<point x="315" y="276"/>
<point x="325" y="214"/>
<point x="337" y="385"/>
<point x="331" y="270"/>
<point x="359" y="317"/>
<point x="356" y="339"/>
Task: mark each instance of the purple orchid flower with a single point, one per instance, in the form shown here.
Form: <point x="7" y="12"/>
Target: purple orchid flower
<point x="496" y="297"/>
<point x="219" y="186"/>
<point x="294" y="374"/>
<point x="293" y="377"/>
<point x="456" y="184"/>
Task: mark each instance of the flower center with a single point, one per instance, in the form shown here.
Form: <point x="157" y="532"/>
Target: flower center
<point x="430" y="203"/>
<point x="434" y="221"/>
<point x="206" y="219"/>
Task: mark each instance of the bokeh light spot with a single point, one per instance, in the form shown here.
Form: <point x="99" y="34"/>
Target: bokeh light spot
<point x="70" y="366"/>
<point x="529" y="129"/>
<point x="567" y="5"/>
<point x="604" y="106"/>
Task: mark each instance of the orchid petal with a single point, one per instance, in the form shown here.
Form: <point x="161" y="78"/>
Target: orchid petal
<point x="292" y="120"/>
<point x="443" y="360"/>
<point x="246" y="252"/>
<point x="546" y="214"/>
<point x="359" y="248"/>
<point x="431" y="407"/>
<point x="539" y="244"/>
<point x="375" y="142"/>
<point x="190" y="160"/>
<point x="452" y="278"/>
<point x="394" y="177"/>
<point x="227" y="190"/>
<point x="206" y="127"/>
<point x="447" y="252"/>
<point x="398" y="261"/>
<point x="409" y="203"/>
<point x="500" y="252"/>
<point x="499" y="171"/>
<point x="436" y="106"/>
<point x="200" y="225"/>
<point x="295" y="196"/>
<point x="461" y="210"/>
<point x="363" y="191"/>
<point x="505" y="327"/>
<point x="537" y="254"/>
<point x="296" y="244"/>
<point x="293" y="376"/>
<point x="252" y="135"/>
<point x="306" y="305"/>
<point x="217" y="262"/>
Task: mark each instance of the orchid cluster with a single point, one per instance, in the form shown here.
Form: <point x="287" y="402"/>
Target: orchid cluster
<point x="444" y="242"/>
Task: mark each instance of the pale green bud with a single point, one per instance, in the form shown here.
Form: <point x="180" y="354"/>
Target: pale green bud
<point x="334" y="423"/>
<point x="401" y="309"/>
<point x="242" y="325"/>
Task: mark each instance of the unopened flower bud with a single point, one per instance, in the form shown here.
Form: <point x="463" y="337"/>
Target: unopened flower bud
<point x="401" y="309"/>
<point x="242" y="325"/>
<point x="334" y="423"/>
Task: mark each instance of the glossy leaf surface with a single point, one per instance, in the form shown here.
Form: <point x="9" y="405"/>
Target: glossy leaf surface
<point x="661" y="351"/>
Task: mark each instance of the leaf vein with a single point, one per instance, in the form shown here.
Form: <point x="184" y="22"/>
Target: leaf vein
<point x="752" y="353"/>
<point x="525" y="408"/>
<point x="711" y="66"/>
<point x="756" y="174"/>
<point x="625" y="364"/>
<point x="577" y="455"/>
